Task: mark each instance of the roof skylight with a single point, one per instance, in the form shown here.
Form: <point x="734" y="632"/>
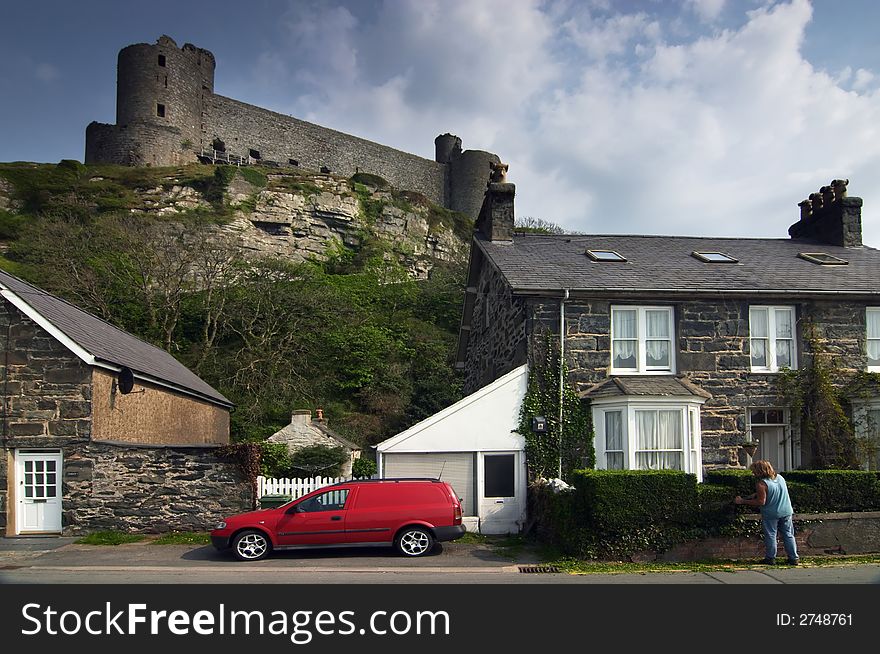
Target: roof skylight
<point x="823" y="258"/>
<point x="714" y="257"/>
<point x="605" y="255"/>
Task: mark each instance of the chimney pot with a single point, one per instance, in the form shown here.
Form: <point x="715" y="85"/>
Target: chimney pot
<point x="319" y="415"/>
<point x="805" y="206"/>
<point x="827" y="196"/>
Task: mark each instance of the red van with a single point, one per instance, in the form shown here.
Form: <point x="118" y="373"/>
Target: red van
<point x="410" y="514"/>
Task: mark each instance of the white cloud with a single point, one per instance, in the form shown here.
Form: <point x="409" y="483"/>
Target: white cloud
<point x="707" y="10"/>
<point x="611" y="122"/>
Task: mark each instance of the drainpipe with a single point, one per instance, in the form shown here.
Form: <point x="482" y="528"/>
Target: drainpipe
<point x="561" y="370"/>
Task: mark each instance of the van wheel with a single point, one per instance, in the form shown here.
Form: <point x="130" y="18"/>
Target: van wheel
<point x="414" y="541"/>
<point x="251" y="546"/>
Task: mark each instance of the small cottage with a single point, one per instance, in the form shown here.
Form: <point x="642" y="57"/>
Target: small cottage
<point x="304" y="432"/>
<point x="101" y="430"/>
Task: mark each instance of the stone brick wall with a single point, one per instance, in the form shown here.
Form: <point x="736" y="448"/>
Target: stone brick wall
<point x="149" y="489"/>
<point x="46" y="393"/>
<point x="817" y="534"/>
<point x="713" y="350"/>
<point x="47" y="389"/>
<point x="499" y="328"/>
<point x="135" y="144"/>
<point x="279" y="138"/>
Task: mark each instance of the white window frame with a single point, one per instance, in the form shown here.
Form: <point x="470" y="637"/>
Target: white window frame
<point x="868" y="339"/>
<point x="692" y="457"/>
<point x="771" y="337"/>
<point x="865" y="429"/>
<point x="641" y="337"/>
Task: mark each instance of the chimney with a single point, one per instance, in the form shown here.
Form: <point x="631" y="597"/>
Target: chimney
<point x="303" y="417"/>
<point x="830" y="217"/>
<point x="496" y="218"/>
<point x="319" y="415"/>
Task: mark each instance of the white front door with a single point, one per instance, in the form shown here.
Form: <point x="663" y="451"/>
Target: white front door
<point x="773" y="446"/>
<point x="501" y="498"/>
<point x="38" y="491"/>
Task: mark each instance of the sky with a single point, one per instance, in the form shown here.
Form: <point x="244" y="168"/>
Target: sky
<point x="677" y="117"/>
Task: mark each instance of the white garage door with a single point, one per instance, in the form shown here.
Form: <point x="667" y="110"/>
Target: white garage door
<point x="457" y="468"/>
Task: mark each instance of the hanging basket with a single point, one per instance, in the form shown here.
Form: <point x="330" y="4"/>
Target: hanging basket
<point x="750" y="448"/>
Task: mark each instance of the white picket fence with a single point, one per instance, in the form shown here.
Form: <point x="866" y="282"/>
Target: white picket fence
<point x="296" y="487"/>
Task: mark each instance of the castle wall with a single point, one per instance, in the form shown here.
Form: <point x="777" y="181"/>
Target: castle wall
<point x="167" y="112"/>
<point x="243" y="127"/>
<point x="468" y="175"/>
<point x="164" y="85"/>
<point x="136" y="144"/>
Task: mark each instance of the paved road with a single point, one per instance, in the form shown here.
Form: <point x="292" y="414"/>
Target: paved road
<point x="60" y="561"/>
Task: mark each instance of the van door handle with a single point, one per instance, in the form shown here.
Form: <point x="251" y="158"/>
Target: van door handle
<point x="499" y="501"/>
<point x="336" y="517"/>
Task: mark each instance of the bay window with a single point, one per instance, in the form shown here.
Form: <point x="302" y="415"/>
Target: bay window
<point x="638" y="433"/>
<point x="771" y="338"/>
<point x="642" y="340"/>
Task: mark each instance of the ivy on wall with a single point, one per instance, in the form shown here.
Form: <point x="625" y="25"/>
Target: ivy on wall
<point x="247" y="456"/>
<point x="818" y="393"/>
<point x="542" y="399"/>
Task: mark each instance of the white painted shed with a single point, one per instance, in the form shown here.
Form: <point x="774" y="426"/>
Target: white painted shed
<point x="474" y="446"/>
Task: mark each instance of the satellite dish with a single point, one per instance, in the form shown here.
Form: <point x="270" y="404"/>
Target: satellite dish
<point x="125" y="380"/>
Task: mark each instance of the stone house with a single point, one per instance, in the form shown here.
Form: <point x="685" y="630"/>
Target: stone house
<point x="101" y="430"/>
<point x="304" y="432"/>
<point x="676" y="343"/>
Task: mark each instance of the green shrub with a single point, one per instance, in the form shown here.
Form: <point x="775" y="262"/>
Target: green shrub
<point x="317" y="460"/>
<point x="369" y="179"/>
<point x="10" y="225"/>
<point x="834" y="490"/>
<point x="274" y="459"/>
<point x="741" y="481"/>
<point x="363" y="467"/>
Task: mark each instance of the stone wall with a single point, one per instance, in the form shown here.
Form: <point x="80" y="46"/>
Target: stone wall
<point x="46" y="393"/>
<point x="243" y="127"/>
<point x="817" y="534"/>
<point x="713" y="350"/>
<point x="135" y="144"/>
<point x="149" y="489"/>
<point x="497" y="341"/>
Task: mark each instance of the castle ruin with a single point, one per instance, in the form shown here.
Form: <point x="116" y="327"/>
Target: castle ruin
<point x="167" y="114"/>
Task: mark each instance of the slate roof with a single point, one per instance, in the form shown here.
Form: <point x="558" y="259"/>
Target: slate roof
<point x="109" y="344"/>
<point x="537" y="262"/>
<point x="653" y="385"/>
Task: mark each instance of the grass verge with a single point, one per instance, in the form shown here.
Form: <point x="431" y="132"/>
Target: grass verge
<point x="183" y="538"/>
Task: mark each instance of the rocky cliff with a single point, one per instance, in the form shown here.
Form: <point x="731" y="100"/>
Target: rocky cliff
<point x="267" y="212"/>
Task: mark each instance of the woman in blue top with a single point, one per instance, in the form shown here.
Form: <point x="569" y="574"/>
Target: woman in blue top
<point x="772" y="497"/>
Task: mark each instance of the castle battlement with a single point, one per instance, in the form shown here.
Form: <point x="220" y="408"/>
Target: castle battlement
<point x="168" y="114"/>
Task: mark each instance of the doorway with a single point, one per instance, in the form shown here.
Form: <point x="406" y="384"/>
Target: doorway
<point x="38" y="491"/>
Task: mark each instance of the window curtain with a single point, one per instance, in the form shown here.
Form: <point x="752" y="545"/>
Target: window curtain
<point x="625" y="327"/>
<point x="759" y="332"/>
<point x="874" y="338"/>
<point x="659" y="430"/>
<point x="783" y="338"/>
<point x="657" y="342"/>
<point x="613" y="440"/>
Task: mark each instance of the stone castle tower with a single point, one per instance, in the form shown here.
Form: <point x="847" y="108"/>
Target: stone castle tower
<point x="167" y="113"/>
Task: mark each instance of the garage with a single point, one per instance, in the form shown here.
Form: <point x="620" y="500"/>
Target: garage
<point x="472" y="445"/>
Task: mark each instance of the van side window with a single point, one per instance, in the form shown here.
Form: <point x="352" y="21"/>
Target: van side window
<point x="330" y="501"/>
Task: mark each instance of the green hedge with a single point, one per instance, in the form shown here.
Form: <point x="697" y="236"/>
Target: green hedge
<point x="813" y="491"/>
<point x="613" y="514"/>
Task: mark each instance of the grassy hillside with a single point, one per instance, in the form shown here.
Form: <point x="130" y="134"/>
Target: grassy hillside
<point x="352" y="333"/>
